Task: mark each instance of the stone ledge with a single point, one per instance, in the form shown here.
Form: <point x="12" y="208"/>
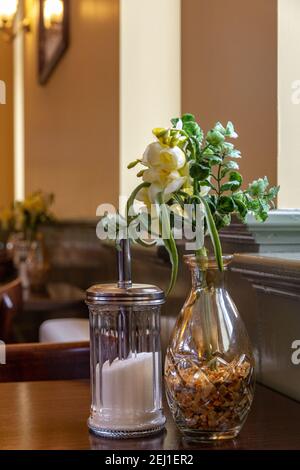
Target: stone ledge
<point x="280" y="233"/>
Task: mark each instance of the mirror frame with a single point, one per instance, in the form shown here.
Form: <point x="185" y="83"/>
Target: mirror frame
<point x="45" y="69"/>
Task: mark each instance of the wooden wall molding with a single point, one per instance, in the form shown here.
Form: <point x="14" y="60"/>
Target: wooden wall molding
<point x="278" y="275"/>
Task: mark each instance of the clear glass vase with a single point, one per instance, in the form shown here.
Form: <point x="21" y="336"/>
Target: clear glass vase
<point x="209" y="368"/>
<point x="37" y="265"/>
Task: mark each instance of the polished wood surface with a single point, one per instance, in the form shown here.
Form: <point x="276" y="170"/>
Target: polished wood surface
<point x="53" y="415"/>
<point x="37" y="362"/>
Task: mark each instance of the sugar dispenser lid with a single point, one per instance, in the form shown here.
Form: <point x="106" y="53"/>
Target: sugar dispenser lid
<point x="136" y="293"/>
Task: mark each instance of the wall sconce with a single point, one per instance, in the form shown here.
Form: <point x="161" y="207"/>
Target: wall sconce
<point x="8" y="12"/>
<point x="53" y="13"/>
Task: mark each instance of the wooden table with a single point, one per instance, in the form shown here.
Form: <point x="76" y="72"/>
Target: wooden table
<point x="53" y="415"/>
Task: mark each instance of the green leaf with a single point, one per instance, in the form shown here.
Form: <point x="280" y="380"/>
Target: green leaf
<point x="230" y="165"/>
<point x="207" y="152"/>
<point x="230" y="186"/>
<point x="235" y="154"/>
<point x="220" y="128"/>
<point x="193" y="129"/>
<point x="236" y="177"/>
<point x="168" y="240"/>
<point x="273" y="193"/>
<point x="175" y="121"/>
<point x="261" y="214"/>
<point x="241" y="206"/>
<point x="188" y="118"/>
<point x="222" y="220"/>
<point x="213" y="233"/>
<point x="214" y="160"/>
<point x="252" y="204"/>
<point x="199" y="172"/>
<point x="230" y="132"/>
<point x="228" y="147"/>
<point x="197" y="142"/>
<point x="212" y="202"/>
<point x="132" y="197"/>
<point x="207" y="183"/>
<point x="225" y="205"/>
<point x="258" y="187"/>
<point x="215" y="138"/>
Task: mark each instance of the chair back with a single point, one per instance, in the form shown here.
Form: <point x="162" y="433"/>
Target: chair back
<point x="41" y="362"/>
<point x="11" y="303"/>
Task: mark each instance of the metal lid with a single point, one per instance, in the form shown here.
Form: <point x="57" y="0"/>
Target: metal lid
<point x="136" y="293"/>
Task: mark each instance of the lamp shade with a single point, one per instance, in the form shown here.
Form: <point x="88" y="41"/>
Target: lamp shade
<point x="8" y="9"/>
<point x="53" y="12"/>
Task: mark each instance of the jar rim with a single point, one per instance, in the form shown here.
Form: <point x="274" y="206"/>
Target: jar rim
<point x="136" y="293"/>
<point x="208" y="262"/>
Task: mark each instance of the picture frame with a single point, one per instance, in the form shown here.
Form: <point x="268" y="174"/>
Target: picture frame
<point x="53" y="42"/>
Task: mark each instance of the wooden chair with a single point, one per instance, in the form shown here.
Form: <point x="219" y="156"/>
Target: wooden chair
<point x="40" y="362"/>
<point x="11" y="303"/>
<point x="7" y="270"/>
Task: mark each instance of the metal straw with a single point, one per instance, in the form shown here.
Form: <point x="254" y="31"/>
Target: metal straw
<point x="125" y="282"/>
<point x="124" y="265"/>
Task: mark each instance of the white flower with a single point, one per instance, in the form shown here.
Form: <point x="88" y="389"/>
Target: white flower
<point x="168" y="158"/>
<point x="204" y="190"/>
<point x="166" y="172"/>
<point x="149" y="195"/>
<point x="143" y="196"/>
<point x="160" y="176"/>
<point x="174" y="185"/>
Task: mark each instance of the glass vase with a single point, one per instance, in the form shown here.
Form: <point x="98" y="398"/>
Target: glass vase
<point x="209" y="368"/>
<point x="37" y="265"/>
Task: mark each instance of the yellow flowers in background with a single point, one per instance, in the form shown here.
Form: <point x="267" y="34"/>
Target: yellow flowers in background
<point x="27" y="216"/>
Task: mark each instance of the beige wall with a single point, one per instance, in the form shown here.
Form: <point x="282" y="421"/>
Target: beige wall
<point x="289" y="103"/>
<point x="6" y="127"/>
<point x="150" y="76"/>
<point x="229" y="70"/>
<point x="72" y="123"/>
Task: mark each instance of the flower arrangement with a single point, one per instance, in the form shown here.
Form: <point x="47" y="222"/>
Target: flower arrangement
<point x="27" y="216"/>
<point x="185" y="167"/>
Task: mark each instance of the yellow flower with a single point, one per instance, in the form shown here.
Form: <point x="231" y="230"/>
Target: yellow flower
<point x="6" y="217"/>
<point x="35" y="203"/>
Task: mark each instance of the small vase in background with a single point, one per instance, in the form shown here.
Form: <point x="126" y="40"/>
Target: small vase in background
<point x="209" y="369"/>
<point x="20" y="254"/>
<point x="13" y="247"/>
<point x="37" y="265"/>
<point x="30" y="259"/>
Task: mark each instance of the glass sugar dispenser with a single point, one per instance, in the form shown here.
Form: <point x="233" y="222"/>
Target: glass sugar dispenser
<point x="126" y="371"/>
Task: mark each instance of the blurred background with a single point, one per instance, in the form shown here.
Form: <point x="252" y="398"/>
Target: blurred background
<point x="131" y="65"/>
<point x="82" y="85"/>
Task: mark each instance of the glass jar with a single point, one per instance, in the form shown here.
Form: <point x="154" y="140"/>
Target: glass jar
<point x="37" y="265"/>
<point x="22" y="250"/>
<point x="15" y="247"/>
<point x="209" y="368"/>
<point x="126" y="372"/>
